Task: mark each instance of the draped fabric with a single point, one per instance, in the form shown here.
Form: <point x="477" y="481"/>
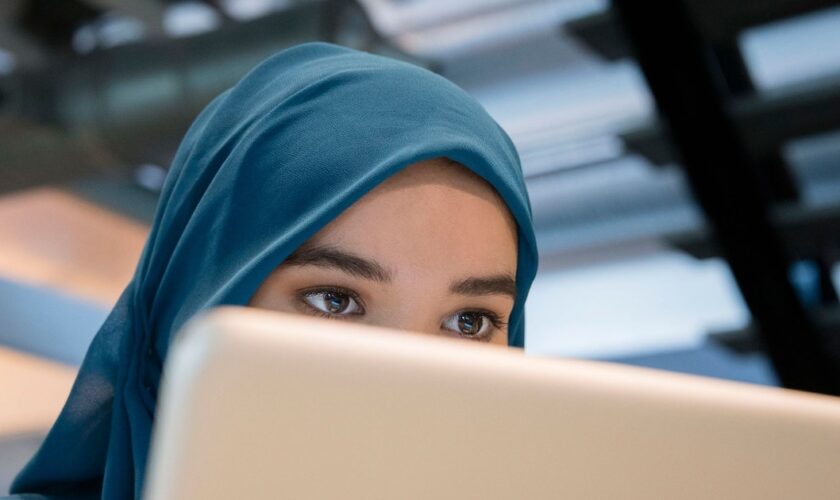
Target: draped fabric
<point x="264" y="166"/>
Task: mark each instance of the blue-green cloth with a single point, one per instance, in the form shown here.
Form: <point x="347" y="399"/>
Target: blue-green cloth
<point x="264" y="166"/>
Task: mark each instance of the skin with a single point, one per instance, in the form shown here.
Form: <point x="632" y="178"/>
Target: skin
<point x="432" y="250"/>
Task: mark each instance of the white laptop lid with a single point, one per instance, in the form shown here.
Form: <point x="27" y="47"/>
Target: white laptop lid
<point x="265" y="405"/>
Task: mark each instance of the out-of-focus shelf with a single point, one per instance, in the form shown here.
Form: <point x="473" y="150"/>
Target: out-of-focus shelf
<point x="601" y="33"/>
<point x="720" y="20"/>
<point x="764" y="121"/>
<point x="51" y="238"/>
<point x="804" y="231"/>
<point x="747" y="340"/>
<point x="32" y="392"/>
<point x="724" y="19"/>
<point x="768" y="119"/>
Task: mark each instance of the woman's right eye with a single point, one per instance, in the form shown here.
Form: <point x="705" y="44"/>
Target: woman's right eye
<point x="333" y="302"/>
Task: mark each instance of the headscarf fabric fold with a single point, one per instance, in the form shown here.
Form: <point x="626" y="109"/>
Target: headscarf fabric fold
<point x="263" y="167"/>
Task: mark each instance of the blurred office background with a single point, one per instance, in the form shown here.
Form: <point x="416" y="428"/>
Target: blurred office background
<point x="96" y="94"/>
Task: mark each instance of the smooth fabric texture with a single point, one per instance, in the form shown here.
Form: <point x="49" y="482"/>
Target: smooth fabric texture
<point x="264" y="166"/>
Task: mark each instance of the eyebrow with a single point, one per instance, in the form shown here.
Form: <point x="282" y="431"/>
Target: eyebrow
<point x="335" y="258"/>
<point x="331" y="257"/>
<point x="501" y="284"/>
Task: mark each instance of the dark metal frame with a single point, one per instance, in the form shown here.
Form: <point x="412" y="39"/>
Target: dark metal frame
<point x="694" y="101"/>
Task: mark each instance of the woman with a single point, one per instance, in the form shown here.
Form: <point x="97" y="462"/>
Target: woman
<point x="327" y="181"/>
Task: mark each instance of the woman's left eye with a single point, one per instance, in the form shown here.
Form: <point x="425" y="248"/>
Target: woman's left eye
<point x="333" y="302"/>
<point x="472" y="324"/>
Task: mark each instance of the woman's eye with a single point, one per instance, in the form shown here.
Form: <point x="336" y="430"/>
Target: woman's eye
<point x="471" y="324"/>
<point x="333" y="302"/>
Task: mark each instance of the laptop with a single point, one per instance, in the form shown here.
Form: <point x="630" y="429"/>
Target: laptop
<point x="257" y="404"/>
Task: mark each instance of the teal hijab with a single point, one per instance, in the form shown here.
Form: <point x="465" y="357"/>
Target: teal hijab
<point x="264" y="166"/>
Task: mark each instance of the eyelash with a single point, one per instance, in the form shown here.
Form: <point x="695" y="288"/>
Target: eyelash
<point x="491" y="316"/>
<point x="494" y="318"/>
<point x="309" y="292"/>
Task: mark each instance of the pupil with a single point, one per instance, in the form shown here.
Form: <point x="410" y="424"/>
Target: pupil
<point x="469" y="324"/>
<point x="335" y="302"/>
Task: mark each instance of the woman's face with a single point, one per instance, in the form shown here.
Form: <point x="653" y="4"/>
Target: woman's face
<point x="432" y="249"/>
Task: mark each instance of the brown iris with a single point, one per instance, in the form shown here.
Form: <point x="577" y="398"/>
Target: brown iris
<point x="470" y="323"/>
<point x="336" y="302"/>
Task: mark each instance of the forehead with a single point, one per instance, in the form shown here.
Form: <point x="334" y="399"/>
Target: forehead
<point x="434" y="215"/>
